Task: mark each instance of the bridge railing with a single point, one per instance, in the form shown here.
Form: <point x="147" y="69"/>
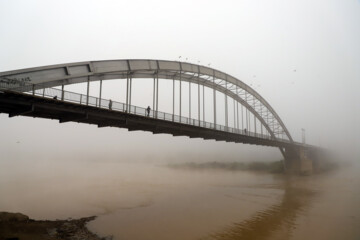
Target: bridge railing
<point x="83" y="99"/>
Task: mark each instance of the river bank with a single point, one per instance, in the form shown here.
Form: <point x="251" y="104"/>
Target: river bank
<point x="15" y="226"/>
<point x="265" y="167"/>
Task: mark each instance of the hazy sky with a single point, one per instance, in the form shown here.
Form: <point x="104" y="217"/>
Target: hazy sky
<point x="302" y="56"/>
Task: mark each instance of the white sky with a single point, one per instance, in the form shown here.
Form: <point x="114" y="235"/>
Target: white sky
<point x="259" y="42"/>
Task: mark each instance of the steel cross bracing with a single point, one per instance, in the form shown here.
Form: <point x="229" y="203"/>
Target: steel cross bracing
<point x="241" y="93"/>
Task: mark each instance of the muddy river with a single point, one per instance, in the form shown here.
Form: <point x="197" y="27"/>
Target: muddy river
<point x="147" y="201"/>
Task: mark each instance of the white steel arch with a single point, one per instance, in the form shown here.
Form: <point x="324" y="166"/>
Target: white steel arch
<point x="69" y="73"/>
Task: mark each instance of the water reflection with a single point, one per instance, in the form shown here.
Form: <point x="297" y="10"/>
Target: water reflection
<point x="276" y="222"/>
<point x="141" y="202"/>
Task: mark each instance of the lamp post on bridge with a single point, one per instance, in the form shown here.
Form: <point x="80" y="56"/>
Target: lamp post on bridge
<point x="303" y="135"/>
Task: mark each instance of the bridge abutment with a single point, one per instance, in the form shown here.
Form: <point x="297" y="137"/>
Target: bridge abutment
<point x="297" y="160"/>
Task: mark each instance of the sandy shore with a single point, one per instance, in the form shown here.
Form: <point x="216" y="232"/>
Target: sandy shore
<point x="17" y="226"/>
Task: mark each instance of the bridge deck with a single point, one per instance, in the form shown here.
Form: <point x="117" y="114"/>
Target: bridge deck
<point x="21" y="104"/>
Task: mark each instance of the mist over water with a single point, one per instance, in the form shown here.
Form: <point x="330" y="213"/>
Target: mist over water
<point x="152" y="201"/>
<point x="303" y="57"/>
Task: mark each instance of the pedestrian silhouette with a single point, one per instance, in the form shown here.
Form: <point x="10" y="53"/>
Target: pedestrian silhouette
<point x="148" y="111"/>
<point x="110" y="104"/>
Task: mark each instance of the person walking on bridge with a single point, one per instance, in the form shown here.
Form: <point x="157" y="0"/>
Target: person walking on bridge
<point x="148" y="111"/>
<point x="110" y="104"/>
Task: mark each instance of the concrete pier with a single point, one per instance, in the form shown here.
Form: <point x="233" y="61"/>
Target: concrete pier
<point x="300" y="160"/>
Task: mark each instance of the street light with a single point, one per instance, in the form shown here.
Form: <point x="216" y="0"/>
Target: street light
<point x="303" y="135"/>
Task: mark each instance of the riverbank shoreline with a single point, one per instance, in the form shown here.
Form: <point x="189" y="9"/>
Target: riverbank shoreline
<point x="19" y="226"/>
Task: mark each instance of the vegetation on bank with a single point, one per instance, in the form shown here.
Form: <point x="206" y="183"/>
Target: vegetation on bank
<point x="271" y="167"/>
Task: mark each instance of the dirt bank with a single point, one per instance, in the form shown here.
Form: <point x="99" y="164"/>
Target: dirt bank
<point x="17" y="226"/>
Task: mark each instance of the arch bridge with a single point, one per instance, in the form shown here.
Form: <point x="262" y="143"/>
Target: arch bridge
<point x="40" y="92"/>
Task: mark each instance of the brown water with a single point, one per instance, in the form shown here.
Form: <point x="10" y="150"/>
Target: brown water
<point x="140" y="201"/>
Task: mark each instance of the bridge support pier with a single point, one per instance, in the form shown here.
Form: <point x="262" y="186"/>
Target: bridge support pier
<point x="297" y="161"/>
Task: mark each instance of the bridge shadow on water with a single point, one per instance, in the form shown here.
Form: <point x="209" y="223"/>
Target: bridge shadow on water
<point x="276" y="222"/>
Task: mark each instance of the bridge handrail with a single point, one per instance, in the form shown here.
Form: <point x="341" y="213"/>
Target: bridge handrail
<point x="89" y="71"/>
<point x="83" y="99"/>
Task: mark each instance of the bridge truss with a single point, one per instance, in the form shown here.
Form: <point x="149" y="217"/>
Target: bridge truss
<point x="41" y="81"/>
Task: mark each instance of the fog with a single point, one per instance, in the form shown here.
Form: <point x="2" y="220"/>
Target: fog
<point x="302" y="56"/>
